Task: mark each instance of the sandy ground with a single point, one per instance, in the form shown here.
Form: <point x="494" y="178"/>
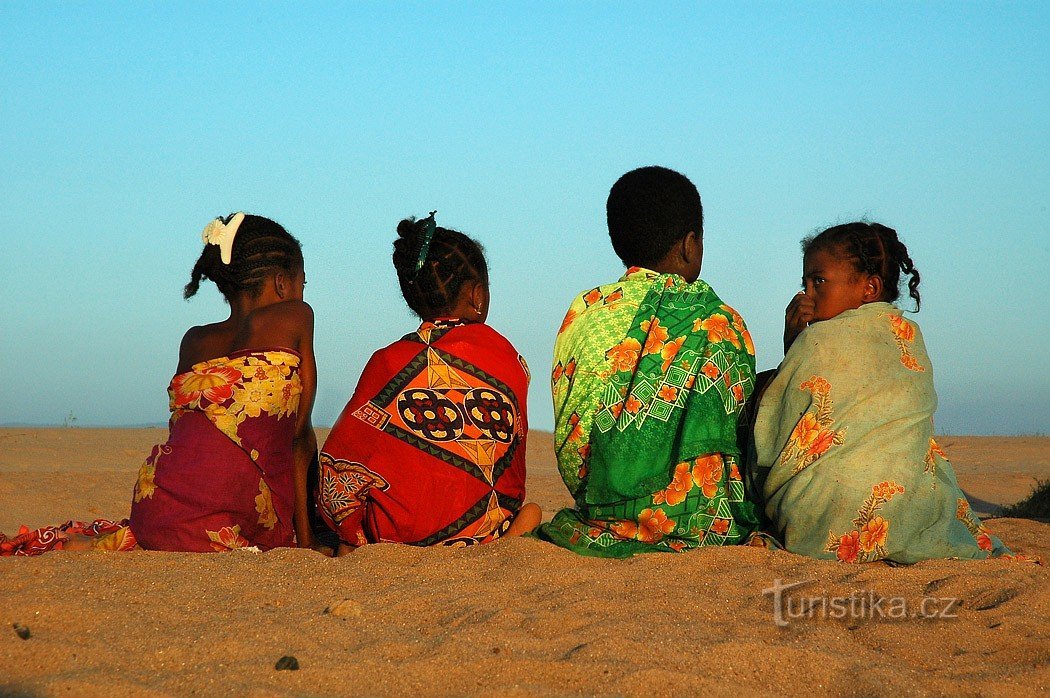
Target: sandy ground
<point x="519" y="617"/>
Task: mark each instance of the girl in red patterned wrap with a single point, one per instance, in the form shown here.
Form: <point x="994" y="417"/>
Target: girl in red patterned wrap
<point x="431" y="447"/>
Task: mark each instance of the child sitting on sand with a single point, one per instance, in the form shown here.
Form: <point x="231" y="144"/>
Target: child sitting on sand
<point x="430" y="450"/>
<point x="844" y="455"/>
<point x="650" y="373"/>
<point x="233" y="471"/>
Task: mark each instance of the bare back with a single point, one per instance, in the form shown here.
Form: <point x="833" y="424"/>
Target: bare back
<point x="280" y="325"/>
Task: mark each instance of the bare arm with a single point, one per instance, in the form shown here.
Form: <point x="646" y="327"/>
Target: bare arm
<point x="304" y="444"/>
<point x="797" y="317"/>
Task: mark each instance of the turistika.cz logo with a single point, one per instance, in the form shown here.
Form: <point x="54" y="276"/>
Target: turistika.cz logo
<point x="859" y="605"/>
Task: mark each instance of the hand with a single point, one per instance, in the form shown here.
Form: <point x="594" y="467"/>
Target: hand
<point x="798" y="315"/>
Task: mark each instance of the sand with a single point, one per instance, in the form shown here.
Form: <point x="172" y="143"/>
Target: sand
<point x="519" y="617"/>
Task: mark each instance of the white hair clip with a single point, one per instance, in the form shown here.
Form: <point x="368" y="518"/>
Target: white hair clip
<point x="222" y="234"/>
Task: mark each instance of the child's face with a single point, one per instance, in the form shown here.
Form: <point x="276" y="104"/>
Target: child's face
<point x="833" y="284"/>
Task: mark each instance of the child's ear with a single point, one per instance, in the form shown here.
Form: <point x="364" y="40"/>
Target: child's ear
<point x="873" y="289"/>
<point x="692" y="248"/>
<point x="280" y="285"/>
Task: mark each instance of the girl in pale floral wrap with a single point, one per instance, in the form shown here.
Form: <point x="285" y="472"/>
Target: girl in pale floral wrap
<point x="650" y="374"/>
<point x="844" y="456"/>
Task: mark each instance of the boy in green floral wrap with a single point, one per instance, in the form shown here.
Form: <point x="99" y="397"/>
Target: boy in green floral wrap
<point x="650" y="374"/>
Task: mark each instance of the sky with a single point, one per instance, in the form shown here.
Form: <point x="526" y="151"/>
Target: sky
<point x="126" y="127"/>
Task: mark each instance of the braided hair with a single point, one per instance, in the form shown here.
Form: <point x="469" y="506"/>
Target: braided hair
<point x="261" y="248"/>
<point x="873" y="249"/>
<point x="451" y="260"/>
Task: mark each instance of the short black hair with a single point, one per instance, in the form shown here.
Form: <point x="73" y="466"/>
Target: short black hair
<point x="261" y="247"/>
<point x="451" y="260"/>
<point x="649" y="210"/>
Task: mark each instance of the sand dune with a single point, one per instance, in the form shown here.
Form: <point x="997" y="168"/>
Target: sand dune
<point x="520" y="617"/>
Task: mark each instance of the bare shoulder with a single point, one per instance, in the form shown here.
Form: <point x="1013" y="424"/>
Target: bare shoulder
<point x="293" y="313"/>
<point x="201" y="343"/>
<point x="287" y="324"/>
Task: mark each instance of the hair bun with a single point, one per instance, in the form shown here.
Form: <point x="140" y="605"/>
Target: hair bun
<point x="407" y="228"/>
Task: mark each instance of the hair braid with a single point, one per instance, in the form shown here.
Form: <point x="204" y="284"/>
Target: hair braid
<point x="452" y="259"/>
<point x="873" y="249"/>
<point x="260" y="248"/>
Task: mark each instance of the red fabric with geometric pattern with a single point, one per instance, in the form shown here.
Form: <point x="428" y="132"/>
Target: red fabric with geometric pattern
<point x="431" y="447"/>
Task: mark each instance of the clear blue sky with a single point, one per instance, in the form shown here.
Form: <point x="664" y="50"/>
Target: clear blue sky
<point x="125" y="127"/>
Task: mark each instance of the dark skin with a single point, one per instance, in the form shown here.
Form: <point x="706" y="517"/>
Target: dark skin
<point x="831" y="285"/>
<point x="472" y="303"/>
<point x="276" y="317"/>
<point x="684" y="258"/>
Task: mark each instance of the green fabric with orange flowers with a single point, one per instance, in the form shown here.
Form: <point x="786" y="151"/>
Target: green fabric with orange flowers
<point x="844" y="456"/>
<point x="649" y="377"/>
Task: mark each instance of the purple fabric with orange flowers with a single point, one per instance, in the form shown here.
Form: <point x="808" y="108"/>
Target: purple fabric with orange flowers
<point x="223" y="479"/>
<point x="431" y="447"/>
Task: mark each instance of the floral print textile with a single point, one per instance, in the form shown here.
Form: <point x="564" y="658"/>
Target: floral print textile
<point x="844" y="459"/>
<point x="222" y="480"/>
<point x="650" y="374"/>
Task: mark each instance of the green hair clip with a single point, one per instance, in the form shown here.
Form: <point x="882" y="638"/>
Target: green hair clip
<point x="428" y="235"/>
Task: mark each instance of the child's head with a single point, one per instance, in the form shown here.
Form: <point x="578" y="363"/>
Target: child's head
<point x="649" y="210"/>
<point x="441" y="271"/>
<point x="849" y="265"/>
<point x="261" y="248"/>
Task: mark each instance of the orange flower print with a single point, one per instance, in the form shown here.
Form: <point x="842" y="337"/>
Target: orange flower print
<point x="806" y="431"/>
<point x="214" y="384"/>
<point x="738" y="392"/>
<point x="873" y="534"/>
<point x="678" y="489"/>
<point x="570" y="317"/>
<point x="816" y="385"/>
<point x="690" y="382"/>
<point x="741" y="328"/>
<point x="677" y="545"/>
<point x="145" y="487"/>
<point x="653" y="525"/>
<point x="814" y="434"/>
<point x="614" y="296"/>
<point x="633" y="405"/>
<point x="576" y="431"/>
<point x="592" y="297"/>
<point x="626" y="529"/>
<point x="718" y="330"/>
<point x="227" y="538"/>
<point x="848" y="547"/>
<point x="720" y="526"/>
<point x="734" y="472"/>
<point x="655" y="336"/>
<point x="902" y="329"/>
<point x="668" y="393"/>
<point x="669" y="351"/>
<point x="886" y="490"/>
<point x="707" y="473"/>
<point x="264" y="506"/>
<point x="903" y="335"/>
<point x="559" y="371"/>
<point x="624" y="356"/>
<point x="824" y="440"/>
<point x="911" y="363"/>
<point x="930" y="459"/>
<point x="711" y="371"/>
<point x="984" y="541"/>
